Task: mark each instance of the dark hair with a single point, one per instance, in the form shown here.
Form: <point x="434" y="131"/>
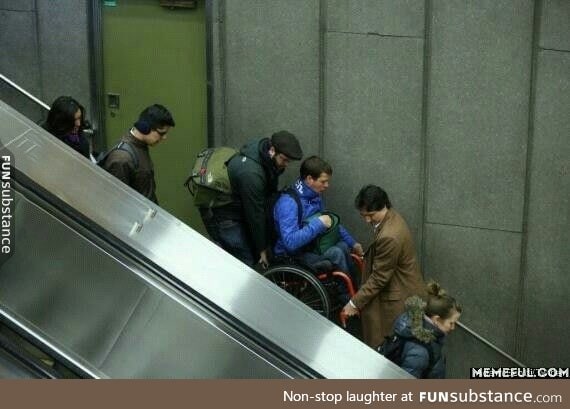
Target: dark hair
<point x="439" y="303"/>
<point x="372" y="198"/>
<point x="154" y="117"/>
<point x="313" y="166"/>
<point x="61" y="116"/>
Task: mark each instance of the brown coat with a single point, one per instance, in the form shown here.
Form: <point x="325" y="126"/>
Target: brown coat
<point x="392" y="274"/>
<point x="120" y="164"/>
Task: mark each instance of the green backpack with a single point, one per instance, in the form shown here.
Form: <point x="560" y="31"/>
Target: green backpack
<point x="330" y="237"/>
<point x="209" y="182"/>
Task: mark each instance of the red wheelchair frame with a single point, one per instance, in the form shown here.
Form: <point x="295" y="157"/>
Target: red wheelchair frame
<point x="312" y="288"/>
<point x="345" y="277"/>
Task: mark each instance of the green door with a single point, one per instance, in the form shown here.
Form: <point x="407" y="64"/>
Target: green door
<point x="153" y="54"/>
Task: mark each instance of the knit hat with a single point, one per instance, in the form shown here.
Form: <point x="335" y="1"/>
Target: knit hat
<point x="286" y="143"/>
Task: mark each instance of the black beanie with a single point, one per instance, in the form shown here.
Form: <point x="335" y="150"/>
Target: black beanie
<point x="286" y="143"/>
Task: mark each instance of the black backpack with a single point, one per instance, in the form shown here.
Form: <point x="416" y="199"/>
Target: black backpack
<point x="123" y="146"/>
<point x="393" y="347"/>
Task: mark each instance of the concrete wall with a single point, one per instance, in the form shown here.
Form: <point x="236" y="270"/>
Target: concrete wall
<point x="458" y="108"/>
<point x="45" y="50"/>
<point x="547" y="257"/>
<point x="264" y="44"/>
<point x="373" y="104"/>
<point x="477" y="137"/>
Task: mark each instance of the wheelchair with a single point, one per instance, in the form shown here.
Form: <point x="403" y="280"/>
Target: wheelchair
<point x="318" y="286"/>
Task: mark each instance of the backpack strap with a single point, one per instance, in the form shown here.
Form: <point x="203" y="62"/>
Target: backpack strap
<point x="127" y="147"/>
<point x="295" y="196"/>
<point x="204" y="157"/>
<point x="206" y="154"/>
<point x="123" y="146"/>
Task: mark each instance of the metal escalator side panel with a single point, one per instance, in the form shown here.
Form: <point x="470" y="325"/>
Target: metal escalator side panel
<point x="106" y="316"/>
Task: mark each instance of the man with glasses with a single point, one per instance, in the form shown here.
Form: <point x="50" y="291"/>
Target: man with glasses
<point x="241" y="227"/>
<point x="129" y="160"/>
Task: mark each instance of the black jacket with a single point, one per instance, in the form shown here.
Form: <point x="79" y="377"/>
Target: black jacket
<point x="254" y="179"/>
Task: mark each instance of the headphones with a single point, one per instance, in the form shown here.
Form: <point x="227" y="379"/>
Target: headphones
<point x="143" y="126"/>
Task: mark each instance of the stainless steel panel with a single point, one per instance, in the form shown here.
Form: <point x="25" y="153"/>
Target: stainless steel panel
<point x="104" y="301"/>
<point x="116" y="321"/>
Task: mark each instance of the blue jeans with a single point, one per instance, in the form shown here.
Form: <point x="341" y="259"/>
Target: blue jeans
<point x="231" y="235"/>
<point x="338" y="255"/>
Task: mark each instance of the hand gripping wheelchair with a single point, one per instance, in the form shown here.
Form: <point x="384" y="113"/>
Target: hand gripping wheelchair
<point x="318" y="286"/>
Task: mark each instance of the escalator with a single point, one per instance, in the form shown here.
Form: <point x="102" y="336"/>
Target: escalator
<point x="106" y="284"/>
<point x="21" y="360"/>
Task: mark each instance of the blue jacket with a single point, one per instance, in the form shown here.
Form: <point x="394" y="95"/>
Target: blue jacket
<point x="415" y="356"/>
<point x="292" y="237"/>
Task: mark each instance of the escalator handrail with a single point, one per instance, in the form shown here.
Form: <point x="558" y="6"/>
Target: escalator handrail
<point x="24" y="92"/>
<point x="491" y="345"/>
<point x="33" y="365"/>
<point x="42" y="342"/>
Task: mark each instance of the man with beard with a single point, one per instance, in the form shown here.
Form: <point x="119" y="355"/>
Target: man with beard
<point x="241" y="227"/>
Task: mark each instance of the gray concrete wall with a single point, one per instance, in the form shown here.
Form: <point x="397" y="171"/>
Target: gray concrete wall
<point x="269" y="58"/>
<point x="477" y="135"/>
<point x="19" y="45"/>
<point x="547" y="255"/>
<point x="45" y="50"/>
<point x="460" y="109"/>
<point x="373" y="104"/>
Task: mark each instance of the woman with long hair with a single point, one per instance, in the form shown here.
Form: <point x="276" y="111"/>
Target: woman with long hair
<point x="66" y="121"/>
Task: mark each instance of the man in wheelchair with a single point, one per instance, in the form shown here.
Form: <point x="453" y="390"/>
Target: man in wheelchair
<point x="305" y="231"/>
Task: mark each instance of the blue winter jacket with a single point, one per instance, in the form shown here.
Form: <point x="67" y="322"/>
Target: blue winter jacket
<point x="292" y="237"/>
<point x="415" y="356"/>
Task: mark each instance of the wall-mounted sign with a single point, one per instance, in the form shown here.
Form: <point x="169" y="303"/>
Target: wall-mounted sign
<point x="111" y="3"/>
<point x="189" y="4"/>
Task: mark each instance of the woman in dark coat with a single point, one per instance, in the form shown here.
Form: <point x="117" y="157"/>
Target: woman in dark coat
<point x="66" y="121"/>
<point x="427" y="325"/>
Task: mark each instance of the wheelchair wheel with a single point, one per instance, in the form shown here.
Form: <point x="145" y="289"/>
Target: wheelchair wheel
<point x="301" y="284"/>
